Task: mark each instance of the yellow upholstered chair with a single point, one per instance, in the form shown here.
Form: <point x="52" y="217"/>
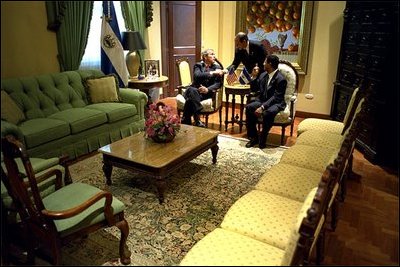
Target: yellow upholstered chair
<point x="210" y="105"/>
<point x="263" y="229"/>
<point x="330" y="125"/>
<point x="51" y="220"/>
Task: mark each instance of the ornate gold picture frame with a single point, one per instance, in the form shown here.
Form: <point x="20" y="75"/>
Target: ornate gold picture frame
<point x="284" y="27"/>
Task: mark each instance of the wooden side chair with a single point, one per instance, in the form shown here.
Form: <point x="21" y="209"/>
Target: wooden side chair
<point x="210" y="106"/>
<point x="70" y="212"/>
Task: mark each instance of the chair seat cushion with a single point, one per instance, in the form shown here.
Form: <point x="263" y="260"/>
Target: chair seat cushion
<point x="320" y="124"/>
<point x="309" y="157"/>
<point x="225" y="248"/>
<point x="289" y="181"/>
<point x="207" y="103"/>
<point x="320" y="138"/>
<point x="73" y="195"/>
<point x="264" y="216"/>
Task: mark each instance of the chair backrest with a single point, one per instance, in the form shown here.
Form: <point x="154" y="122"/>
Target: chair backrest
<point x="292" y="78"/>
<point x="312" y="225"/>
<point x="184" y="71"/>
<point x="25" y="195"/>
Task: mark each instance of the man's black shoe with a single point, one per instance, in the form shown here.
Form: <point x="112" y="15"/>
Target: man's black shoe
<point x="200" y="124"/>
<point x="252" y="143"/>
<point x="261" y="146"/>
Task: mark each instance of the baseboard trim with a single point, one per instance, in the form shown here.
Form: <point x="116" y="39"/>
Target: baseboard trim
<point x="305" y="115"/>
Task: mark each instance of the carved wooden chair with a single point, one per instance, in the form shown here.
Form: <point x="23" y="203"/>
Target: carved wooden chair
<point x="210" y="106"/>
<point x="70" y="212"/>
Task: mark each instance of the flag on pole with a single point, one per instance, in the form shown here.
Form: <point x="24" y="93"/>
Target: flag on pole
<point x="112" y="52"/>
<point x="244" y="77"/>
<point x="231" y="78"/>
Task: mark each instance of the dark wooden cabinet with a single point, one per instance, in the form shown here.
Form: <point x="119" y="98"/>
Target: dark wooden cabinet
<point x="369" y="50"/>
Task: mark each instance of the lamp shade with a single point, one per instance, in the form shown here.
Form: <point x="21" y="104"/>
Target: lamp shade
<point x="132" y="41"/>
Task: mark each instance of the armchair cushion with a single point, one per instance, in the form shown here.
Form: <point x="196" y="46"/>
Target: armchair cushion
<point x="71" y="196"/>
<point x="207" y="103"/>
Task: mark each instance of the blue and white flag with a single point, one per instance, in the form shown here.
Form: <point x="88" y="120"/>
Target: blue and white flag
<point x="112" y="52"/>
<point x="244" y="77"/>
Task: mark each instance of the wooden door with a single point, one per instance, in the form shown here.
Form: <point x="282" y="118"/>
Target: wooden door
<point x="180" y="36"/>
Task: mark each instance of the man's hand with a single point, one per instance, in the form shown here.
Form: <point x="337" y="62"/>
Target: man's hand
<point x="217" y="72"/>
<point x="203" y="90"/>
<point x="255" y="71"/>
<point x="259" y="111"/>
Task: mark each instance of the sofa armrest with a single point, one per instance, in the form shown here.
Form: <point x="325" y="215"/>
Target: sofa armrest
<point x="136" y="97"/>
<point x="10" y="128"/>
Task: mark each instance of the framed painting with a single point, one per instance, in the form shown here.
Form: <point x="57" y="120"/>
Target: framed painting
<point x="283" y="27"/>
<point x="152" y="68"/>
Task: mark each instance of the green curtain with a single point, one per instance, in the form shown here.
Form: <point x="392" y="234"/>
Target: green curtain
<point x="135" y="15"/>
<point x="72" y="33"/>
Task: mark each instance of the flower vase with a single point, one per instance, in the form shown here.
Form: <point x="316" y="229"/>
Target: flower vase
<point x="166" y="138"/>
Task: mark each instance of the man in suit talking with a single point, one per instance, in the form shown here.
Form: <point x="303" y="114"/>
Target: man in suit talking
<point x="270" y="88"/>
<point x="249" y="52"/>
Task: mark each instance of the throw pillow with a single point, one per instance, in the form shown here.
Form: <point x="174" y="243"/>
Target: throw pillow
<point x="102" y="89"/>
<point x="10" y="110"/>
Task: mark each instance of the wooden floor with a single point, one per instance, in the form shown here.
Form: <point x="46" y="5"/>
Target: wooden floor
<point x="368" y="227"/>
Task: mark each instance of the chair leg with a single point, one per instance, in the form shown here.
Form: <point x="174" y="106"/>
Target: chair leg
<point x="206" y="120"/>
<point x="283" y="135"/>
<point x="124" y="253"/>
<point x="334" y="213"/>
<point x="320" y="247"/>
<point x="291" y="128"/>
<point x="220" y="117"/>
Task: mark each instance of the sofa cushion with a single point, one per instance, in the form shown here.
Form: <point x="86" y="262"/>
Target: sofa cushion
<point x="10" y="110"/>
<point x="115" y="111"/>
<point x="102" y="89"/>
<point x="42" y="130"/>
<point x="264" y="216"/>
<point x="81" y="119"/>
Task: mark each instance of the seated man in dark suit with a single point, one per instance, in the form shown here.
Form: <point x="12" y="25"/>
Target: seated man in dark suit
<point x="207" y="78"/>
<point x="270" y="87"/>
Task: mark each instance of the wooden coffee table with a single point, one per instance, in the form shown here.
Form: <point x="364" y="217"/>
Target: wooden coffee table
<point x="136" y="153"/>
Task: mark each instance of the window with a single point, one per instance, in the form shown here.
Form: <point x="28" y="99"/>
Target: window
<point x="91" y="58"/>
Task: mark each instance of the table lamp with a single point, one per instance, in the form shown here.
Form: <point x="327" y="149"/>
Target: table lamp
<point x="133" y="41"/>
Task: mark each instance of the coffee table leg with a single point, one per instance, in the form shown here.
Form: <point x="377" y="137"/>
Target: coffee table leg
<point x="161" y="185"/>
<point x="107" y="169"/>
<point x="214" y="152"/>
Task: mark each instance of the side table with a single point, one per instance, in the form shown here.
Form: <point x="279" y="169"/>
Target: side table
<point x="146" y="84"/>
<point x="235" y="89"/>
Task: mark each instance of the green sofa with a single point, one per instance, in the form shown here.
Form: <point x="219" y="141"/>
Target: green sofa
<point x="59" y="118"/>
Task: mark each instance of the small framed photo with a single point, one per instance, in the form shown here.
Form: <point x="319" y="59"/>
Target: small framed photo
<point x="152" y="68"/>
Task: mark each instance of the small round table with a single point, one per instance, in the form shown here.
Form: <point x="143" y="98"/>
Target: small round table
<point x="235" y="89"/>
<point x="146" y="84"/>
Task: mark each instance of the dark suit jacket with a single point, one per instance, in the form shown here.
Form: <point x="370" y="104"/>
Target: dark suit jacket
<point x="272" y="96"/>
<point x="201" y="76"/>
<point x="257" y="54"/>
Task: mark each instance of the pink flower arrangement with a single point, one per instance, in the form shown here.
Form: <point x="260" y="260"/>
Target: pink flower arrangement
<point x="161" y="122"/>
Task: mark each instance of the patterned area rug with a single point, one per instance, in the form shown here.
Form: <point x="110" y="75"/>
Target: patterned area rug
<point x="196" y="199"/>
